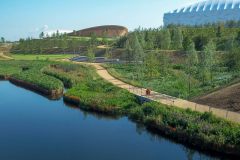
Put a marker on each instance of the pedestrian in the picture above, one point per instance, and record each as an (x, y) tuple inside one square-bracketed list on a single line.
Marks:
[(148, 92)]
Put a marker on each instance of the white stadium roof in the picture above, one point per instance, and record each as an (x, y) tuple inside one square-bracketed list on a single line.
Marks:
[(210, 5)]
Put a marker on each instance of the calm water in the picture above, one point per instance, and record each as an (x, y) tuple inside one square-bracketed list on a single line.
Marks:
[(35, 128)]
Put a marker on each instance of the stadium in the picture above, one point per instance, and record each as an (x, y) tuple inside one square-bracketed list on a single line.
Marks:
[(205, 12), (109, 31)]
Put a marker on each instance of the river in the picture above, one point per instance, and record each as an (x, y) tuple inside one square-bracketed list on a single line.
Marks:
[(33, 127)]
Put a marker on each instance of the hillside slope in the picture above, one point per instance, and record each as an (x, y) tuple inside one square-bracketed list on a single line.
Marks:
[(226, 98), (100, 31)]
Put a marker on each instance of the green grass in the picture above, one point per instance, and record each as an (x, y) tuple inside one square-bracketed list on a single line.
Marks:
[(203, 127), (30, 71), (41, 57), (94, 92), (40, 79), (173, 82)]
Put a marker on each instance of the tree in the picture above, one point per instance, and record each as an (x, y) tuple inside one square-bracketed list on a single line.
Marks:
[(186, 42), (157, 40), (238, 38), (166, 42), (121, 42), (70, 45), (209, 58), (54, 35), (57, 34), (2, 40), (104, 38), (233, 59), (137, 49), (128, 50), (138, 55), (91, 54), (151, 64), (75, 45), (220, 28), (108, 53), (177, 38), (41, 35), (63, 44), (163, 39), (141, 39), (192, 61), (200, 41), (229, 45), (149, 40), (93, 40), (163, 62)]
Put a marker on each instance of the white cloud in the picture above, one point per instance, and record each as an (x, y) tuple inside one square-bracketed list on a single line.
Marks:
[(47, 31)]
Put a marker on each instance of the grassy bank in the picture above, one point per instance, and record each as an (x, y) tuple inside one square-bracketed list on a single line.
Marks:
[(88, 91), (203, 131), (29, 72)]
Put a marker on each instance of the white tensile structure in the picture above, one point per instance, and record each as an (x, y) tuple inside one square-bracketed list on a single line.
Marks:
[(210, 11)]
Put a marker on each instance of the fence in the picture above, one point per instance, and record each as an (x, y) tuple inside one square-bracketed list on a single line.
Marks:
[(172, 101)]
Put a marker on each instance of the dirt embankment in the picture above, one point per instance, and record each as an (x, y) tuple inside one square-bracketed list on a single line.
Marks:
[(227, 98)]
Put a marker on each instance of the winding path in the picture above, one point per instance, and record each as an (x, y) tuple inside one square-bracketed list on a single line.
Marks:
[(162, 98), (4, 56)]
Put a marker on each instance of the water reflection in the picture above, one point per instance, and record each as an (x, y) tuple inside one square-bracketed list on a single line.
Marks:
[(99, 116), (33, 127), (153, 135)]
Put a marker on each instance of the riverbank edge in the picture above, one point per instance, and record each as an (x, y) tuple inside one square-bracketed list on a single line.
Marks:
[(92, 108), (51, 94), (177, 135)]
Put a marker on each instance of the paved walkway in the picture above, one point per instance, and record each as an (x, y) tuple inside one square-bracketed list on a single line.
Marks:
[(164, 99)]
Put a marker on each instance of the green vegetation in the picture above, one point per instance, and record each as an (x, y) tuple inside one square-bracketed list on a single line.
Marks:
[(8, 68), (57, 43), (30, 71), (90, 92), (173, 80), (69, 74), (41, 57), (180, 61), (41, 80), (174, 37), (206, 58), (203, 130), (93, 93)]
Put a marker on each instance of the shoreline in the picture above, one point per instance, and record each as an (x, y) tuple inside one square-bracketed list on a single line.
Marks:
[(96, 95), (50, 94), (179, 136)]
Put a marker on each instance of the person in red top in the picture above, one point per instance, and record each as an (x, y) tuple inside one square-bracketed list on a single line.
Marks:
[(148, 92)]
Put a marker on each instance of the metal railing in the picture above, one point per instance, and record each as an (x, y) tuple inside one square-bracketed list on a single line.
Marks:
[(177, 102)]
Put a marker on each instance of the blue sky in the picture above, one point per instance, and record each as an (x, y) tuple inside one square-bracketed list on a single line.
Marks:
[(23, 18)]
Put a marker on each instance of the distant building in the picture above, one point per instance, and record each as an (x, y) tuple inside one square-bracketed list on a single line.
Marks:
[(100, 31), (210, 11)]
